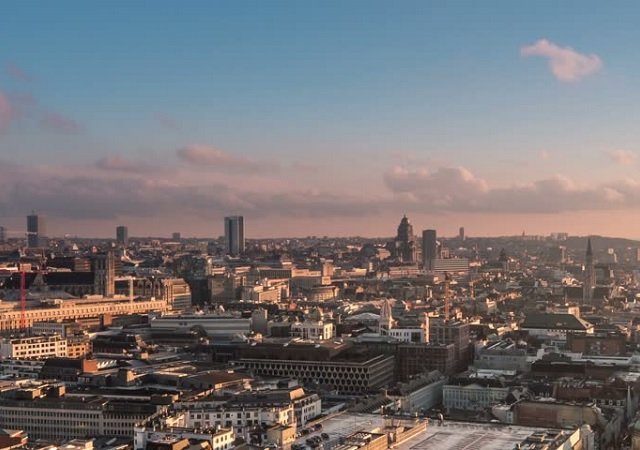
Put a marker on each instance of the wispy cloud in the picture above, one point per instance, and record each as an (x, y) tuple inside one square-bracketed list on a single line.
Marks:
[(544, 155), (16, 73), (120, 164), (6, 112), (624, 157), (206, 155), (58, 122), (565, 63), (167, 122)]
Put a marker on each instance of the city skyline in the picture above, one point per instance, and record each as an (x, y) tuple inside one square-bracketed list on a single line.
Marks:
[(332, 119)]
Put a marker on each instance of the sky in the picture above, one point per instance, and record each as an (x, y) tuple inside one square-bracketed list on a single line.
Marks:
[(320, 118)]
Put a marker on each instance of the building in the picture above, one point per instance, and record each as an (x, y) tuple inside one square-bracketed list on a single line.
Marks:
[(75, 309), (461, 234), (122, 235), (404, 245), (214, 325), (332, 365), (450, 265), (470, 393), (589, 276), (446, 332), (104, 270), (429, 248), (36, 231), (315, 330), (44, 412), (174, 438), (176, 236), (502, 355), (420, 393), (234, 235), (551, 326), (3, 235), (34, 347)]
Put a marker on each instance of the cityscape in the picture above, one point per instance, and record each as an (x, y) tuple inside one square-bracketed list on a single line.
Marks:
[(266, 225)]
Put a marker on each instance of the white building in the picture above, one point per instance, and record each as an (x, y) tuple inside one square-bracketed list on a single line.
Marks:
[(218, 439), (34, 347), (314, 330), (215, 325)]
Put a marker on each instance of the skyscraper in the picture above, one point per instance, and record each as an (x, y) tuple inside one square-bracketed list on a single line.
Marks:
[(3, 235), (122, 235), (234, 235), (461, 234), (589, 276), (36, 231), (429, 248)]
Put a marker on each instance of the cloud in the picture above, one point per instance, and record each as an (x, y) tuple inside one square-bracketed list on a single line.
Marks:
[(545, 155), (16, 73), (58, 122), (7, 112), (121, 164), (84, 195), (458, 190), (167, 122), (205, 155), (565, 63), (624, 157)]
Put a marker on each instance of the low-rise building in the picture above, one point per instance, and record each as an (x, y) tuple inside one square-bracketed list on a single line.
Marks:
[(34, 347)]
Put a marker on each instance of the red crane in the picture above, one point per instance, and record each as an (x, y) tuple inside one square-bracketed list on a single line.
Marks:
[(23, 300)]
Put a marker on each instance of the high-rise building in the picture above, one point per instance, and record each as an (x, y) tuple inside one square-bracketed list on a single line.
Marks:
[(429, 248), (405, 242), (234, 235), (461, 235), (175, 236), (36, 231), (122, 235), (589, 276), (3, 235)]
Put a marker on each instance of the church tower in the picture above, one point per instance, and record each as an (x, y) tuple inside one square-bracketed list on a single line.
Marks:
[(589, 276), (386, 318)]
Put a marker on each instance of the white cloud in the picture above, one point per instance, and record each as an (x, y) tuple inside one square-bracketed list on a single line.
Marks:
[(565, 63), (624, 157)]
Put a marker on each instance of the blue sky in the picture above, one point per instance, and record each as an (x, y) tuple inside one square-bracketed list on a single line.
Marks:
[(352, 90)]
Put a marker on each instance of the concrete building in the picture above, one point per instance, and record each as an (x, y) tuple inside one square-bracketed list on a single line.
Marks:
[(332, 365), (315, 330), (502, 355), (421, 393), (36, 347), (122, 235), (36, 231), (173, 438), (60, 310), (429, 248), (234, 235), (214, 325), (44, 412)]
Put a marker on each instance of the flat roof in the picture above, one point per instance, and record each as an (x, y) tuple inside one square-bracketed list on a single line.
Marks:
[(468, 435)]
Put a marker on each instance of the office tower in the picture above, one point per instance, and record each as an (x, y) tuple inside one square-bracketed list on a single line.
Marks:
[(405, 243), (429, 248), (234, 235), (461, 234), (122, 235), (589, 276), (175, 236), (3, 235), (36, 231)]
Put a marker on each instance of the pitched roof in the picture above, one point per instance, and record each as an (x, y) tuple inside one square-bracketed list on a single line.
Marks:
[(560, 321)]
